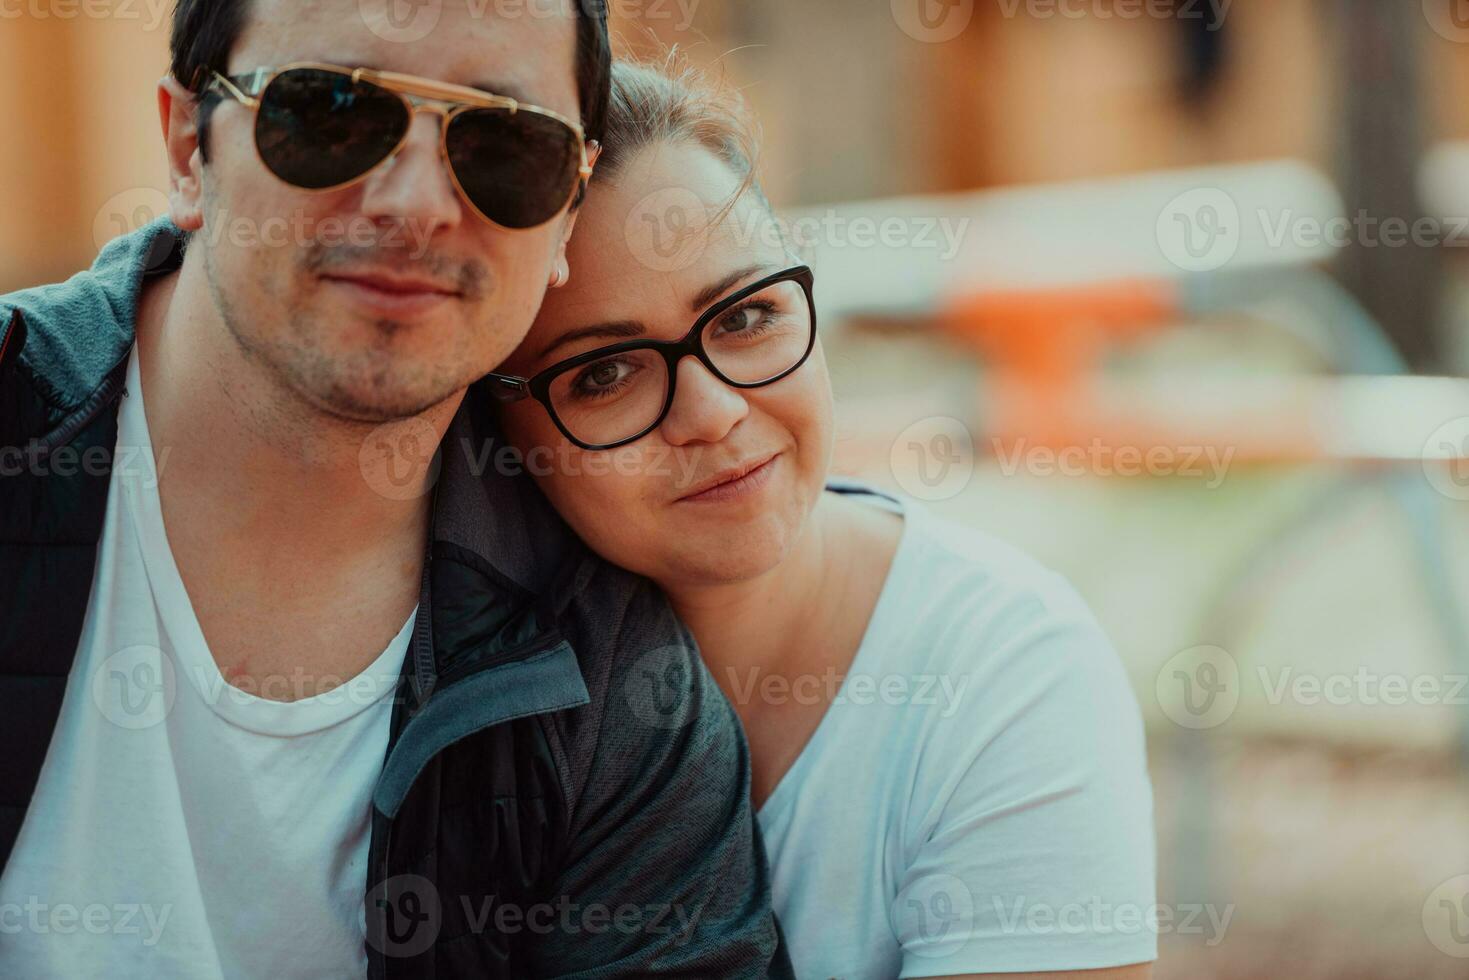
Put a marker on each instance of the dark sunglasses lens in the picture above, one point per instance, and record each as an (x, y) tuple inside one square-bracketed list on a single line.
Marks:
[(317, 129), (518, 169)]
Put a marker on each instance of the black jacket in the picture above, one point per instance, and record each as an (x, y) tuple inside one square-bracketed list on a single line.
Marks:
[(565, 790)]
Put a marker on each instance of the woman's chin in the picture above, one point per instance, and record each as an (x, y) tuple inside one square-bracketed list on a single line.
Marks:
[(729, 558)]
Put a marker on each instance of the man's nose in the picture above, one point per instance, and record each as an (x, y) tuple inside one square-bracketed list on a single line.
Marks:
[(415, 186)]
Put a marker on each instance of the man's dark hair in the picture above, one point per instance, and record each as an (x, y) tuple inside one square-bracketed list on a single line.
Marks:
[(205, 32)]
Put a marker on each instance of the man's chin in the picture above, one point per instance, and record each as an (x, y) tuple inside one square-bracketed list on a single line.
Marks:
[(383, 396), (376, 407)]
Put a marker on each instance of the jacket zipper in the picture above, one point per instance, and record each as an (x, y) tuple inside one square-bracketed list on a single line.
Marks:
[(377, 961), (107, 392), (539, 643)]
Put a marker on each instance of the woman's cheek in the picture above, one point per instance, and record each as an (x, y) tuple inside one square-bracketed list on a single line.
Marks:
[(605, 502), (805, 412)]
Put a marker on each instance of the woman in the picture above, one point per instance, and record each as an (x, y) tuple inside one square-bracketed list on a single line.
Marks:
[(947, 760)]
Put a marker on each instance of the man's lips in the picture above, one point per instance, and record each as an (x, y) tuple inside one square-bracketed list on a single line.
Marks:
[(387, 283), (391, 293)]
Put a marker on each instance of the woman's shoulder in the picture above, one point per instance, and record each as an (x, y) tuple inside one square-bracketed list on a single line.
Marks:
[(949, 574), (1033, 703), (1011, 640)]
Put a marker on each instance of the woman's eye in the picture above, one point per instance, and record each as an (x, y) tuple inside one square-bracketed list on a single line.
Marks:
[(746, 319), (737, 320), (601, 376)]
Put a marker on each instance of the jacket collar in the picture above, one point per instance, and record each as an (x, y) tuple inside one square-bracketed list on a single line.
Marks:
[(488, 506), (77, 333)]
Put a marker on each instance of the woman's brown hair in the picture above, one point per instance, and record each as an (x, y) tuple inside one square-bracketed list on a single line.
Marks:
[(667, 100)]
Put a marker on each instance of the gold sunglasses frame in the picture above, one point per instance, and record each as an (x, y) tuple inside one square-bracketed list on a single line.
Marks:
[(444, 98)]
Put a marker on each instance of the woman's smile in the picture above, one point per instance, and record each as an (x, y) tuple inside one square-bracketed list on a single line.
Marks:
[(741, 483)]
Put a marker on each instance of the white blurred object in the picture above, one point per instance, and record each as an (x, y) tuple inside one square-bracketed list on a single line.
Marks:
[(1443, 188), (1155, 225)]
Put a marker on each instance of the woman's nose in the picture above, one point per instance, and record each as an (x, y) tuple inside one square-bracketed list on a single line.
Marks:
[(704, 408)]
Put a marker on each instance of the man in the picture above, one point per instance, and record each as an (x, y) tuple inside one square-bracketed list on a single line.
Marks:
[(275, 676)]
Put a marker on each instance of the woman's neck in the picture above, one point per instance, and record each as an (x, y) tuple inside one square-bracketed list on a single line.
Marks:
[(804, 616)]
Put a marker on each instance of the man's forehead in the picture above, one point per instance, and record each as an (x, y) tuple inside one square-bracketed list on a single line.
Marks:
[(527, 51)]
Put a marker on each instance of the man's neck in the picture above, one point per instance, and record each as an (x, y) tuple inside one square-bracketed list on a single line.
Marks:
[(299, 560), (251, 456)]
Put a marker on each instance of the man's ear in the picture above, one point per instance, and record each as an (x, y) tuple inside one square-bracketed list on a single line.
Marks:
[(594, 151), (178, 111)]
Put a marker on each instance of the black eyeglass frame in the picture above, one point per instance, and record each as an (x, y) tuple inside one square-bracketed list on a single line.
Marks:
[(507, 388)]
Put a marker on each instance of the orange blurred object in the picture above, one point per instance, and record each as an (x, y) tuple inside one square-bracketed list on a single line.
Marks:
[(1046, 344), (1055, 335)]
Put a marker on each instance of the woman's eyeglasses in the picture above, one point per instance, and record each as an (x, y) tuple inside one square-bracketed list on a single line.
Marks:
[(322, 127), (615, 395)]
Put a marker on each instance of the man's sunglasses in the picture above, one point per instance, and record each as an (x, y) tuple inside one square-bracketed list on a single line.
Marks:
[(322, 127), (614, 395)]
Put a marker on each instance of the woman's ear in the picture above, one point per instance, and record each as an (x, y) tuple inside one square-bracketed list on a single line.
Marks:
[(178, 114)]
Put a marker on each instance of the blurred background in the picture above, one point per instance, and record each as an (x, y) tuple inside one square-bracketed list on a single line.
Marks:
[(1173, 294)]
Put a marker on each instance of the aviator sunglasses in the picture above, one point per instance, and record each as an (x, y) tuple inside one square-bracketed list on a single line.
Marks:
[(322, 127)]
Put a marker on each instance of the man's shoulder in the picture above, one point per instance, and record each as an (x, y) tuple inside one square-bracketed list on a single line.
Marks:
[(68, 336), (619, 620), (658, 782), (649, 688)]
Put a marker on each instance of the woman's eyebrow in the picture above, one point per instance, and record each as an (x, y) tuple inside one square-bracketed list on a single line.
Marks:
[(625, 329), (615, 328), (708, 295)]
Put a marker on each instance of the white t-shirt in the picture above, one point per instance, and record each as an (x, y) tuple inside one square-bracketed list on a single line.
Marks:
[(976, 799), (183, 827)]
